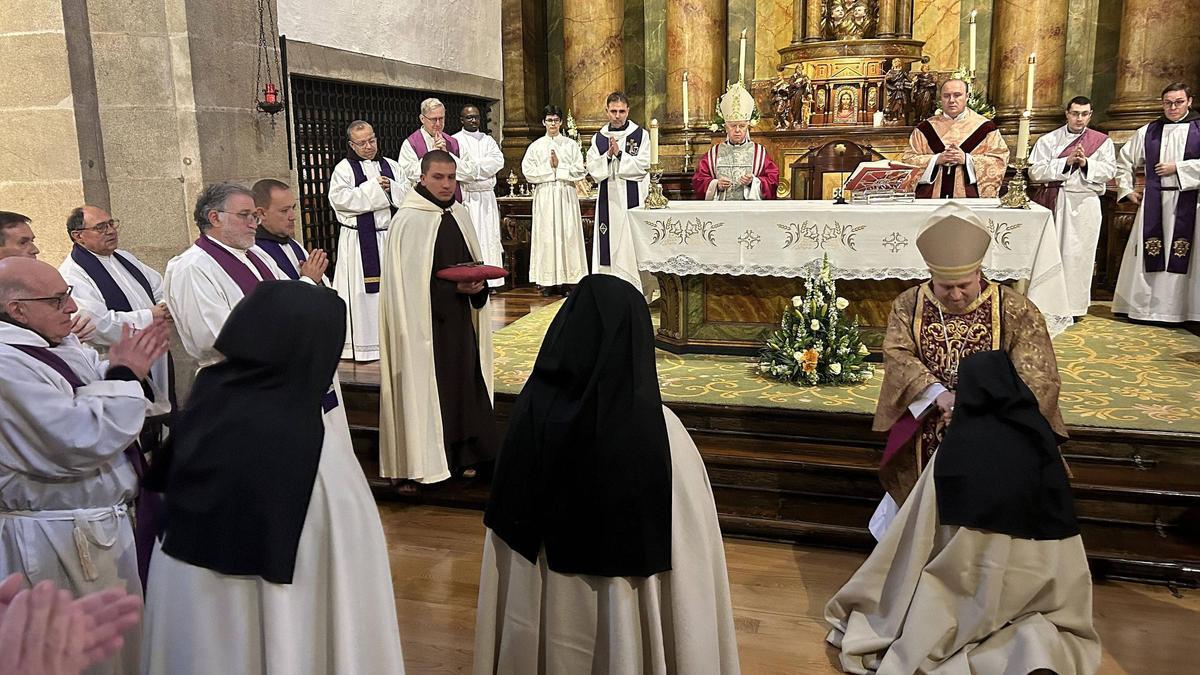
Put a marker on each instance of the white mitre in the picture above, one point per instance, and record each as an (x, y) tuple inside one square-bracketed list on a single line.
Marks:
[(953, 241), (737, 105)]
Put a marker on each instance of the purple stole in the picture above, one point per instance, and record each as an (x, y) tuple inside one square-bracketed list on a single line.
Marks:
[(1154, 254), (1046, 194), (275, 250), (633, 143), (417, 140), (114, 297), (368, 244), (234, 267), (149, 511), (949, 173)]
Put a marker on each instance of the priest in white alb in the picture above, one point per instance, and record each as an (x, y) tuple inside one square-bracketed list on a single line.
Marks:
[(431, 136), (1157, 281), (553, 164), (478, 188), (1070, 168), (275, 207), (962, 151), (738, 168), (363, 191)]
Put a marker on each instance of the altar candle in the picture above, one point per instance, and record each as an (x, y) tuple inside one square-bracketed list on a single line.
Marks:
[(1023, 136), (653, 142), (742, 59), (971, 58), (1029, 77), (686, 114)]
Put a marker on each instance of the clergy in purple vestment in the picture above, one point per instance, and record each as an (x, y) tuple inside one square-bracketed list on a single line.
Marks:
[(432, 136), (275, 206)]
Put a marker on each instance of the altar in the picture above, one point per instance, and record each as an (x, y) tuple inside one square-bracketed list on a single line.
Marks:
[(727, 270)]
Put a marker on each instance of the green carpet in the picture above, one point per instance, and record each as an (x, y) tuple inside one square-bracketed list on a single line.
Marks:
[(1115, 375)]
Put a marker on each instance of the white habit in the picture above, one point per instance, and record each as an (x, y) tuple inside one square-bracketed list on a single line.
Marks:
[(332, 618), (631, 165), (479, 193), (410, 163), (556, 253), (348, 201), (64, 480), (532, 620), (200, 296), (108, 322), (411, 441), (1077, 210), (1158, 296)]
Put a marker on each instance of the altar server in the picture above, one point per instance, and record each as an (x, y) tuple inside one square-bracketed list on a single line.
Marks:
[(619, 161), (205, 282), (430, 136), (932, 327), (737, 168), (1073, 165), (274, 559), (1157, 281), (961, 150), (275, 208), (114, 289), (364, 191), (478, 188), (984, 570), (68, 462), (553, 164), (602, 553), (435, 405)]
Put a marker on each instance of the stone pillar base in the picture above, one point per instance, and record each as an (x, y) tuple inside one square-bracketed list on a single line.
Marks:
[(1041, 120), (1128, 115)]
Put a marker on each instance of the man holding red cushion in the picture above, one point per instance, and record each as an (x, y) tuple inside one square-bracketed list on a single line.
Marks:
[(435, 341)]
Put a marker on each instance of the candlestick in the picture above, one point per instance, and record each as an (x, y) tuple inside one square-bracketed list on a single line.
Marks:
[(654, 141), (1016, 197), (971, 57), (742, 59), (686, 114), (1023, 136), (1029, 78)]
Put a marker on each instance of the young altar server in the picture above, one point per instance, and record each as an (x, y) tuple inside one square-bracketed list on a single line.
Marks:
[(431, 136), (1074, 164), (364, 191), (619, 161), (737, 168), (478, 187), (553, 164), (435, 405), (1157, 281), (984, 570), (274, 559), (275, 208), (68, 449), (602, 552), (961, 150)]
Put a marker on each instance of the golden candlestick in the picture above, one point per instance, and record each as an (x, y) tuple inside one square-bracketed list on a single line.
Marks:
[(1016, 198), (656, 199)]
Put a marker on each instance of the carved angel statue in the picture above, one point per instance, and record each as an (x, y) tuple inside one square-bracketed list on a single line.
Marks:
[(850, 19), (781, 101)]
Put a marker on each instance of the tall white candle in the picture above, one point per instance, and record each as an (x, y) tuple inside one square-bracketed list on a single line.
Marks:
[(653, 142), (742, 59), (1023, 136), (1029, 78), (686, 112), (971, 57)]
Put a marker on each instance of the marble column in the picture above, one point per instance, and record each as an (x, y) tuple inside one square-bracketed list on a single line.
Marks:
[(797, 21), (695, 43), (1020, 27), (593, 57), (812, 20), (904, 18), (887, 19), (1157, 47)]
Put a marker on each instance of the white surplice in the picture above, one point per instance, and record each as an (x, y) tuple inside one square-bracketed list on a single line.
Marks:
[(64, 480), (87, 296), (348, 201), (617, 171), (1158, 296), (1077, 210), (533, 620), (337, 616), (556, 252), (479, 193), (410, 164), (201, 295)]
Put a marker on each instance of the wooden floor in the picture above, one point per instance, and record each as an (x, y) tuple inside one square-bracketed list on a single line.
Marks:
[(779, 592)]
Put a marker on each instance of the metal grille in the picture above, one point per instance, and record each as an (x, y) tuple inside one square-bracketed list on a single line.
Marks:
[(323, 109)]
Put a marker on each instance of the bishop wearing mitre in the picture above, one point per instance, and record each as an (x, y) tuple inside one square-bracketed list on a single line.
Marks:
[(962, 151), (737, 168)]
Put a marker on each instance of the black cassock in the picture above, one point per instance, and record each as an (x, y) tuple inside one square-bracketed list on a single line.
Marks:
[(468, 422)]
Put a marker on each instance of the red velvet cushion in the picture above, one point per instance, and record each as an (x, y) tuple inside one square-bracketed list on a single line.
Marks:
[(471, 273)]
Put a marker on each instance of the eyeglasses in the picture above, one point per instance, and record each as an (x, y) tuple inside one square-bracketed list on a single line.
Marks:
[(365, 143), (1179, 103), (553, 120), (100, 228), (240, 215), (55, 300), (435, 120), (1079, 113)]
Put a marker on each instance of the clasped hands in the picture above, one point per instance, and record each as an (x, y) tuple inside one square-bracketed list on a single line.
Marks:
[(724, 183), (952, 156), (945, 405)]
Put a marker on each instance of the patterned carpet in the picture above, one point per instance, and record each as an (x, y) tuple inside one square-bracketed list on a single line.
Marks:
[(1115, 375)]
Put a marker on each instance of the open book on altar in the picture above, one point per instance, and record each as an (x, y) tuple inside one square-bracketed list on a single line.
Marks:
[(884, 176)]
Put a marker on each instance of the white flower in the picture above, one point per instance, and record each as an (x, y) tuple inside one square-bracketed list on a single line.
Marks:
[(835, 368), (799, 356), (815, 325), (797, 301), (862, 349), (842, 303), (763, 367)]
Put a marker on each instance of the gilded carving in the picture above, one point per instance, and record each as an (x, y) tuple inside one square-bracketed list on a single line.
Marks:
[(850, 19)]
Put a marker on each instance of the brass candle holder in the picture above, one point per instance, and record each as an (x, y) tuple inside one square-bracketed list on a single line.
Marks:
[(1016, 198), (656, 199)]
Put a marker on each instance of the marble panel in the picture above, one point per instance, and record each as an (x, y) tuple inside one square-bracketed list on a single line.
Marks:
[(655, 64), (773, 27), (1158, 45), (555, 67), (1104, 65), (593, 58), (742, 15), (937, 23), (693, 27), (635, 45), (1081, 45)]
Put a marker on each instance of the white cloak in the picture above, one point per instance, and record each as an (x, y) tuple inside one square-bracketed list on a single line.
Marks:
[(362, 308), (1077, 210), (617, 172), (479, 194), (337, 616), (411, 443), (556, 253), (63, 470), (201, 295), (410, 164), (108, 322), (532, 620), (1158, 296)]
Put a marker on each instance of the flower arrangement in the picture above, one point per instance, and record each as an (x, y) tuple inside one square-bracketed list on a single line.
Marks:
[(572, 130), (816, 342)]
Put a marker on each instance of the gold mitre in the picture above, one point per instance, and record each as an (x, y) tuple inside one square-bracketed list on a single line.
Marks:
[(737, 105), (953, 241)]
